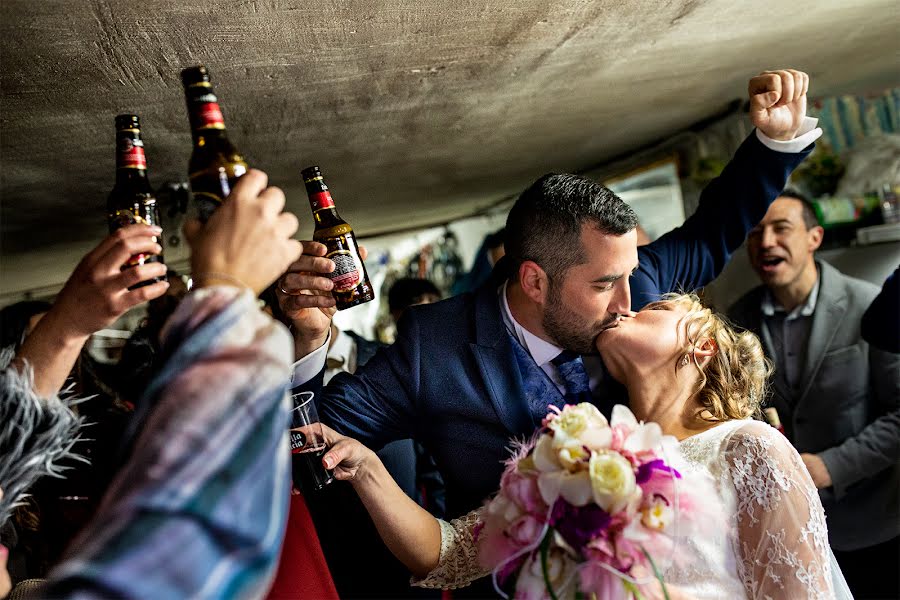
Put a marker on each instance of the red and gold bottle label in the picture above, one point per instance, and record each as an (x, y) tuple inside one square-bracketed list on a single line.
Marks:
[(347, 272), (209, 116), (131, 154), (320, 200)]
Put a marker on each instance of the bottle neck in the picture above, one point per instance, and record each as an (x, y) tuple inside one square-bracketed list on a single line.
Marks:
[(131, 162), (205, 114), (320, 199)]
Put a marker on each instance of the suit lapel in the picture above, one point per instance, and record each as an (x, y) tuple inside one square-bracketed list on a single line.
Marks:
[(497, 363), (830, 308)]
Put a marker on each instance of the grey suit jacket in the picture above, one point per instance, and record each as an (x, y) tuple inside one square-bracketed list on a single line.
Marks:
[(847, 410)]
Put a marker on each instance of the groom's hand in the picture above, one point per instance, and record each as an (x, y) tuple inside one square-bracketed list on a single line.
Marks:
[(778, 102), (817, 470)]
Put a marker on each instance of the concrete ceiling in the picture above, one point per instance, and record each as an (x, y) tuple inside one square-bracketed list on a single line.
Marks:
[(417, 111)]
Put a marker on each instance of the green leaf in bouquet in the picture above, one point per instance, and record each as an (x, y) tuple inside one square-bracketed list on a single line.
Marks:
[(545, 569), (657, 573)]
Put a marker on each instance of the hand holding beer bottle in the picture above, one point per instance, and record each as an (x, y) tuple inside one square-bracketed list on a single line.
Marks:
[(330, 276), (304, 296), (247, 241)]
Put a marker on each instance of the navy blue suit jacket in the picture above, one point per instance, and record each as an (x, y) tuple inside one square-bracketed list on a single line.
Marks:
[(451, 380)]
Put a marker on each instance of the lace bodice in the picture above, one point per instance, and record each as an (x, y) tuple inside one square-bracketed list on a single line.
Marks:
[(775, 543), (771, 542)]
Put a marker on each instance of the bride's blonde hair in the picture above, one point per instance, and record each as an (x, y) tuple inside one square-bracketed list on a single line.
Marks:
[(734, 380)]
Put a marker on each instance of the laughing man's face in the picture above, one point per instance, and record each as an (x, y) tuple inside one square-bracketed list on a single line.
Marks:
[(781, 246)]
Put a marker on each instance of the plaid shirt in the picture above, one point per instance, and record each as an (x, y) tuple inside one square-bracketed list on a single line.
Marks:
[(199, 509)]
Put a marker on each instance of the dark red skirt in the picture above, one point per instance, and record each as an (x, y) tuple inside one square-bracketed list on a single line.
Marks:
[(302, 571)]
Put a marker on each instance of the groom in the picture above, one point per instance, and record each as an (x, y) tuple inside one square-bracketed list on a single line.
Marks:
[(469, 373)]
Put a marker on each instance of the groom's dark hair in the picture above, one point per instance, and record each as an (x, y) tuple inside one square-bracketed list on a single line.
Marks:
[(544, 225)]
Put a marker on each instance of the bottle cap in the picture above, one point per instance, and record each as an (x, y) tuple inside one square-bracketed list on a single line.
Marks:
[(311, 174), (193, 75), (128, 122)]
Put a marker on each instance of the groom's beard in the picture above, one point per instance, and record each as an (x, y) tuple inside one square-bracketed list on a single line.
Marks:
[(570, 331)]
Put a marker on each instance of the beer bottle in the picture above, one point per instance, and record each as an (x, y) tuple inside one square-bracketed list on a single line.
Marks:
[(132, 200), (215, 163), (351, 282)]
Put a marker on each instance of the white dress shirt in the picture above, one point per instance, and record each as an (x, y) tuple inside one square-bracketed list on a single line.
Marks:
[(341, 356)]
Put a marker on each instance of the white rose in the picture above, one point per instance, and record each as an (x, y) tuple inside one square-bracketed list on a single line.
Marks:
[(580, 426), (612, 481)]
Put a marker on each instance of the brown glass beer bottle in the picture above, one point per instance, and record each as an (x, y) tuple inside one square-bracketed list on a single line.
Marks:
[(351, 282), (132, 200), (215, 163)]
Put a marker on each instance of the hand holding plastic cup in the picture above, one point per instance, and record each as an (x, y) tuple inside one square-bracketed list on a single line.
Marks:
[(308, 442)]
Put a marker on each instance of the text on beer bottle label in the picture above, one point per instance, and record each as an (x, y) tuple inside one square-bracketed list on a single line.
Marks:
[(320, 200), (346, 274), (131, 154)]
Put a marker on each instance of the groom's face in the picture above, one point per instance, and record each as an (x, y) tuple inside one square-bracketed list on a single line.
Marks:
[(588, 297)]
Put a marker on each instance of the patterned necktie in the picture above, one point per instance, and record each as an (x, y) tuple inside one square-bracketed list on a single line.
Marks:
[(578, 384)]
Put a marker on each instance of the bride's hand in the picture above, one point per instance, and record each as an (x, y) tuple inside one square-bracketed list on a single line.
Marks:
[(348, 458)]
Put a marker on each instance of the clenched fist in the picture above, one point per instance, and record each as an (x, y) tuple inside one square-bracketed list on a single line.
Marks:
[(778, 102)]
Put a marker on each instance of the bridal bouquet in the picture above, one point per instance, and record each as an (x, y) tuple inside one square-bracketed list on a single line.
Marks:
[(587, 507)]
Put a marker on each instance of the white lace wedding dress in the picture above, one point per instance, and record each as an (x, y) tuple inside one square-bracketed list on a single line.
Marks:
[(773, 545)]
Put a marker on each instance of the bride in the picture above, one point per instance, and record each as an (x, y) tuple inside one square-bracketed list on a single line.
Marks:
[(689, 371)]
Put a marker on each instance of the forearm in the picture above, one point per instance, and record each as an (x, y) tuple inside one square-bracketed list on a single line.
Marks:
[(51, 351), (408, 530), (864, 455)]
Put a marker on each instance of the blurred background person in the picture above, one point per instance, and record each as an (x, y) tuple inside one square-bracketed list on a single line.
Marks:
[(837, 397)]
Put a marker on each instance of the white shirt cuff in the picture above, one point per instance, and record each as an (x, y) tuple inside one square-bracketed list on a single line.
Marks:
[(309, 366), (807, 134)]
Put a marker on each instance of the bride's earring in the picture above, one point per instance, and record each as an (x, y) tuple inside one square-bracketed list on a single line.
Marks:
[(685, 360)]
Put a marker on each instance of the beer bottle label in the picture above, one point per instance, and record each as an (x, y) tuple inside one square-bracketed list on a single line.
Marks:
[(320, 200), (347, 272), (209, 116), (131, 154), (206, 112), (211, 186)]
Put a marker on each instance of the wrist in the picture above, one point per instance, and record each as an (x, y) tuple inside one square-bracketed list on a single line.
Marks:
[(306, 343), (65, 333), (368, 473), (204, 279), (781, 136)]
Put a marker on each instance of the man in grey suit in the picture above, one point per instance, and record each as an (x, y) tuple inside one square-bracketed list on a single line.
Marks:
[(838, 398)]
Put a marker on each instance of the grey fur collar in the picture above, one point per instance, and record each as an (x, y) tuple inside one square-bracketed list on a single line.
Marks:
[(36, 433)]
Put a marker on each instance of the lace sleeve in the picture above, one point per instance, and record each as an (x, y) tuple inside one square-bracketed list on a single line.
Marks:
[(458, 565), (782, 543)]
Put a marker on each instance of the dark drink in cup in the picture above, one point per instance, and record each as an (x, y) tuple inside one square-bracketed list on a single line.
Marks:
[(309, 463), (308, 445)]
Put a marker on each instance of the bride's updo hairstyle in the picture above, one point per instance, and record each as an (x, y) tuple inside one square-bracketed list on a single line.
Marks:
[(734, 380)]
